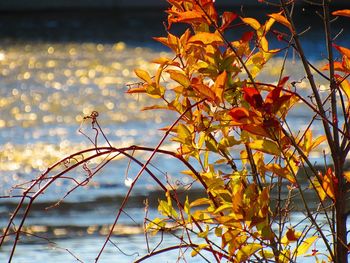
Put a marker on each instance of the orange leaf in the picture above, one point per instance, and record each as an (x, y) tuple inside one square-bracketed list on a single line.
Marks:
[(344, 12), (329, 184), (343, 50), (186, 17), (338, 66), (282, 20), (205, 38), (203, 89), (141, 89), (219, 86)]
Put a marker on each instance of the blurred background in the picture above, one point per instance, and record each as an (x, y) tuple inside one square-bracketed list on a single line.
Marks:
[(59, 61)]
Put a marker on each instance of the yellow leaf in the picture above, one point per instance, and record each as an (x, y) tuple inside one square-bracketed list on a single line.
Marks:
[(347, 176), (344, 12), (204, 233), (282, 20), (251, 22), (317, 186), (142, 74), (200, 202), (304, 246), (246, 251), (205, 38), (179, 77), (344, 84), (196, 250), (219, 86), (265, 146)]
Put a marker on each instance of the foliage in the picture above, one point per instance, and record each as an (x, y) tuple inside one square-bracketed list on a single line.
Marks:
[(225, 109), (234, 137)]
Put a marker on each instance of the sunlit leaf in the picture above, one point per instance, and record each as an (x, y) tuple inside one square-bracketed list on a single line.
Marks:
[(179, 77), (196, 250), (343, 50), (247, 251), (219, 86), (265, 146), (205, 38), (142, 74), (344, 12), (304, 246), (282, 20), (251, 22), (344, 85)]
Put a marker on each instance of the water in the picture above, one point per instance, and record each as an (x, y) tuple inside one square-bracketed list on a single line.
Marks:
[(55, 69)]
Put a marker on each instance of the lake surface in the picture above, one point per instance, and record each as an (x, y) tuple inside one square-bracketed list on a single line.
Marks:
[(56, 68)]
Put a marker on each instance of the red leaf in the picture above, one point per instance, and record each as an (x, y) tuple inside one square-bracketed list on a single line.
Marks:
[(283, 81), (227, 18), (247, 36), (253, 97), (239, 115)]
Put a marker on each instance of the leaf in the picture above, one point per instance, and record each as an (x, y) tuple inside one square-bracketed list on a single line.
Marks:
[(204, 233), (347, 176), (343, 50), (239, 116), (253, 97), (344, 12), (344, 85), (179, 77), (338, 66), (282, 20), (246, 251), (141, 89), (292, 235), (247, 36), (265, 146), (203, 90), (329, 184), (219, 86), (142, 74), (205, 38), (186, 17), (200, 202), (196, 250), (227, 18), (305, 245), (251, 22)]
